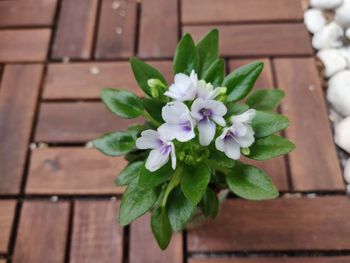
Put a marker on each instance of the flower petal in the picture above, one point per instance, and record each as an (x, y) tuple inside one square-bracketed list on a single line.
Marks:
[(173, 156), (245, 117), (196, 107), (219, 120), (246, 140), (206, 132), (217, 107), (183, 132), (232, 149), (156, 159), (175, 112), (149, 140)]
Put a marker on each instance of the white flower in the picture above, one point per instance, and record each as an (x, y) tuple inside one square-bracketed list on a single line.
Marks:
[(206, 112), (162, 148), (206, 91), (239, 135), (178, 122), (184, 87)]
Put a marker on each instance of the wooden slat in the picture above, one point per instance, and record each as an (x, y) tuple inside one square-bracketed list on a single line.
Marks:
[(259, 40), (42, 232), (77, 122), (321, 223), (117, 29), (74, 36), (334, 259), (225, 11), (27, 13), (18, 96), (73, 171), (158, 33), (24, 45), (7, 213), (314, 164), (144, 248), (97, 237), (75, 80)]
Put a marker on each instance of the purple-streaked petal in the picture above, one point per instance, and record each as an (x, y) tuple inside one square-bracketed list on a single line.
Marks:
[(206, 132), (182, 132), (217, 107), (245, 117), (149, 140), (196, 107), (156, 159)]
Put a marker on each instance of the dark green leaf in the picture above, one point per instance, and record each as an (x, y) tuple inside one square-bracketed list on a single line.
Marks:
[(123, 103), (194, 181), (143, 72), (267, 123), (210, 204), (216, 73), (154, 108), (129, 173), (234, 108), (265, 99), (251, 183), (135, 129), (218, 159), (208, 51), (161, 227), (152, 179), (270, 147), (241, 81), (186, 56), (115, 144)]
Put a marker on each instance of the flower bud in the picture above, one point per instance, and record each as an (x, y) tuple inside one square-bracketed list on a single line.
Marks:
[(245, 151), (157, 87)]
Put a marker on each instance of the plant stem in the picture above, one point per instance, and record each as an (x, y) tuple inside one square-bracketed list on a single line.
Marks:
[(174, 181)]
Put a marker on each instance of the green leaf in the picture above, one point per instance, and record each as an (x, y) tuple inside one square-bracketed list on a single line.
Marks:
[(135, 202), (161, 227), (180, 209), (251, 183), (216, 73), (129, 173), (265, 99), (115, 143), (234, 108), (123, 103), (194, 181), (210, 204), (135, 129), (270, 147), (154, 108), (218, 160), (267, 123), (186, 56), (208, 51), (143, 72), (241, 81), (153, 179)]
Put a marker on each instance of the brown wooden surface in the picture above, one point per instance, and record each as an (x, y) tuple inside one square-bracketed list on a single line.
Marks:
[(158, 29), (314, 164), (116, 32), (73, 171), (28, 12), (258, 39), (143, 247), (42, 232), (224, 11), (335, 259), (96, 235), (24, 45), (282, 224), (75, 31), (7, 214), (18, 98), (61, 81)]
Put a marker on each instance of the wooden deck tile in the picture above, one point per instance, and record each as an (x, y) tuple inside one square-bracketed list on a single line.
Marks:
[(62, 82), (334, 259), (75, 31), (77, 122), (74, 170), (18, 97), (226, 11), (281, 224), (27, 13), (42, 232), (97, 237), (7, 214), (117, 30), (158, 32), (143, 247), (24, 45), (314, 164), (259, 40)]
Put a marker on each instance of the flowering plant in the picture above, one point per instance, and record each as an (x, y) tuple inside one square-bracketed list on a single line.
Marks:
[(195, 133)]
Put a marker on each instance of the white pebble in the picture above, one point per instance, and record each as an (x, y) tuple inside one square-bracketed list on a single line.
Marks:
[(342, 134), (54, 198), (329, 37), (338, 92), (94, 70), (326, 4), (333, 61), (32, 146), (314, 20), (118, 30), (342, 14), (347, 171)]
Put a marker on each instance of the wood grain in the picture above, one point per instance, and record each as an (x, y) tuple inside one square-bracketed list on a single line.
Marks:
[(24, 45), (334, 259), (158, 33), (77, 122), (73, 171), (314, 164), (62, 82), (7, 214), (117, 30), (143, 247), (75, 30), (27, 13), (42, 232), (281, 224), (258, 39), (97, 237), (19, 90), (227, 11)]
